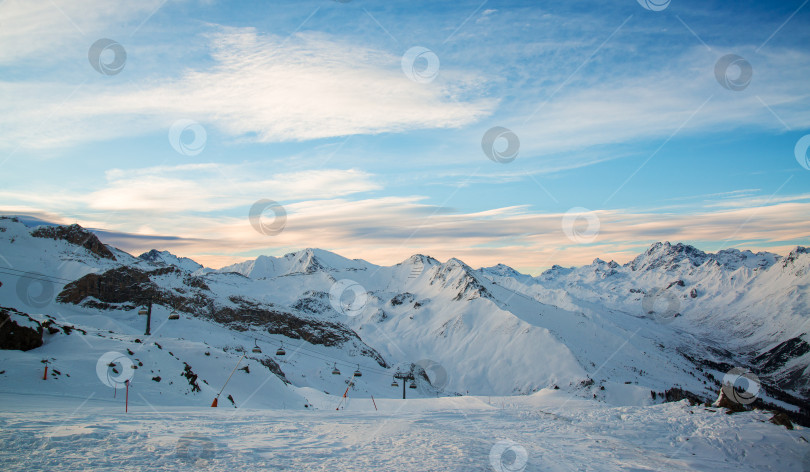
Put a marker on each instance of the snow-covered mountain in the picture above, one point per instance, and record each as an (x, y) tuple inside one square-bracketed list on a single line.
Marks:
[(672, 317), (166, 258)]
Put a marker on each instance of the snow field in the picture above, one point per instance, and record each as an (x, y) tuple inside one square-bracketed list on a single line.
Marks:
[(549, 431)]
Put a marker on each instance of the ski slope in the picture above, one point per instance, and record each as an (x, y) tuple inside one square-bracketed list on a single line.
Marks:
[(547, 431)]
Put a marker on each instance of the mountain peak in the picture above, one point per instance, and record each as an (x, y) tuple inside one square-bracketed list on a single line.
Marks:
[(668, 256), (167, 258), (502, 270), (417, 259)]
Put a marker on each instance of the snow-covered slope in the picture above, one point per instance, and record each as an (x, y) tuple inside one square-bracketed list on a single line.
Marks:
[(754, 306), (673, 317)]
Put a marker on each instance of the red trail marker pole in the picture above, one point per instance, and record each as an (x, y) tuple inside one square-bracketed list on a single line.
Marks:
[(45, 376), (126, 404)]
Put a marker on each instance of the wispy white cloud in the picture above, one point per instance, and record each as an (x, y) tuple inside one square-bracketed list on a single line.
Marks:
[(211, 187), (680, 98), (36, 33), (261, 87)]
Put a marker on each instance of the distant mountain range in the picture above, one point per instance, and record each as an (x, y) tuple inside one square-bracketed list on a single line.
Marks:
[(673, 317)]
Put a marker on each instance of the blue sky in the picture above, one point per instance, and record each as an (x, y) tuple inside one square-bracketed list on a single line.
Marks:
[(622, 123)]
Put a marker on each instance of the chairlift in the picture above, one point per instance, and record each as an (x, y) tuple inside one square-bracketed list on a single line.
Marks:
[(357, 372), (335, 370), (256, 347), (394, 383), (412, 385), (143, 311), (281, 351), (173, 315)]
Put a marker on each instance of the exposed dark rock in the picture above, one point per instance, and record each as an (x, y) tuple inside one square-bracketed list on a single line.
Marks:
[(191, 377), (49, 325), (781, 419), (313, 302), (14, 336), (274, 368), (75, 234), (794, 254), (402, 298), (676, 394), (679, 283)]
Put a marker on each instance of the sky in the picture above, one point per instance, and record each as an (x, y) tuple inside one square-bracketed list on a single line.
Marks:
[(527, 133)]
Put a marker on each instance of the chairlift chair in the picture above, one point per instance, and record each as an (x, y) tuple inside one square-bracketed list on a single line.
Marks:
[(335, 370), (394, 383), (174, 316), (357, 372), (281, 351), (412, 385), (143, 311), (256, 347)]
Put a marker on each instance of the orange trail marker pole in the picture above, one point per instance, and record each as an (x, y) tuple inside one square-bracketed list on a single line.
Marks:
[(214, 403), (344, 397), (45, 376), (126, 404)]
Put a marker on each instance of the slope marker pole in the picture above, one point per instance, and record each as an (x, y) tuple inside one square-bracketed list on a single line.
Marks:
[(215, 402)]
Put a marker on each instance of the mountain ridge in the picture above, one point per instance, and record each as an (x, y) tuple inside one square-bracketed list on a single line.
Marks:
[(672, 317)]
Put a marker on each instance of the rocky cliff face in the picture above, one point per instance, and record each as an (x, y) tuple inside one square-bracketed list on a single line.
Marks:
[(16, 336), (75, 234)]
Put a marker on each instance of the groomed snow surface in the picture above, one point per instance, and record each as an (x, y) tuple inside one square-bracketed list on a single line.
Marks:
[(547, 431)]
